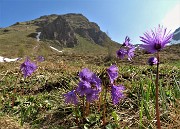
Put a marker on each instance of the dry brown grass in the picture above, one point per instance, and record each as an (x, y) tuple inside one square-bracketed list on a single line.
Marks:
[(7, 122)]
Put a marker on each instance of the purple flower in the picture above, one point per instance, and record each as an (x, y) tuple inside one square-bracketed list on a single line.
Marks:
[(112, 72), (127, 42), (156, 40), (83, 88), (92, 95), (40, 58), (85, 74), (152, 61), (71, 97), (121, 53), (95, 83), (116, 93), (28, 67), (130, 53)]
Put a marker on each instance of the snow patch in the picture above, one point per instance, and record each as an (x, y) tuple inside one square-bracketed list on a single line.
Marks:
[(55, 49), (3, 59), (38, 35)]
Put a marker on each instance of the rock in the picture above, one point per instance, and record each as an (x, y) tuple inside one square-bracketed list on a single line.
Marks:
[(59, 30), (176, 35), (64, 28)]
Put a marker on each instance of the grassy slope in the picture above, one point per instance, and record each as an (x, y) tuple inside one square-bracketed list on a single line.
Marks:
[(16, 43)]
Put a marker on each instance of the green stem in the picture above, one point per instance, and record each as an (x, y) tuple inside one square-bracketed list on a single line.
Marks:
[(157, 91)]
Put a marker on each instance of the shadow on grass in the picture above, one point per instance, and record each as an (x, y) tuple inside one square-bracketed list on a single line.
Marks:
[(59, 119)]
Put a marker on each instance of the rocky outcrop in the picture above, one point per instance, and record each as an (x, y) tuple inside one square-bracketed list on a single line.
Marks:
[(92, 33), (61, 31), (64, 28)]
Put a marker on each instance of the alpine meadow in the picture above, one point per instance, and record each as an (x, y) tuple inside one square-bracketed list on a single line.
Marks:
[(64, 72)]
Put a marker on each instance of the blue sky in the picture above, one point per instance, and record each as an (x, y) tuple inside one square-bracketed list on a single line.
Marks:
[(117, 17)]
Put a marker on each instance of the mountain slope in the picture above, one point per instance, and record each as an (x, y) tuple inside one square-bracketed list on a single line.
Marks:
[(73, 34), (64, 29), (68, 32)]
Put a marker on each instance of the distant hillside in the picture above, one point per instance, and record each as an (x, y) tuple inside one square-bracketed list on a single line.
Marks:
[(74, 35), (71, 32)]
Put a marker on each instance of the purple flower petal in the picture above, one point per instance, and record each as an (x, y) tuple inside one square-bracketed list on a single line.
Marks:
[(113, 73), (116, 93), (121, 53), (130, 53), (95, 82), (83, 88), (92, 95), (152, 61), (85, 74), (71, 97), (127, 42)]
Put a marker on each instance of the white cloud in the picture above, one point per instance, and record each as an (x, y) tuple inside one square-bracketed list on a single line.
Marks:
[(172, 18)]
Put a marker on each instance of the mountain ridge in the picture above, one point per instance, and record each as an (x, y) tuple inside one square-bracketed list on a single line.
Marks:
[(64, 28), (72, 33), (79, 37)]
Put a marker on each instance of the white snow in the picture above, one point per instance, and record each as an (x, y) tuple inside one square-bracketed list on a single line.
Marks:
[(55, 49), (38, 35), (3, 59)]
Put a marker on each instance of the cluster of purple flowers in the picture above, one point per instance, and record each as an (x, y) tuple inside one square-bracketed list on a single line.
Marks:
[(88, 87), (127, 50), (116, 90)]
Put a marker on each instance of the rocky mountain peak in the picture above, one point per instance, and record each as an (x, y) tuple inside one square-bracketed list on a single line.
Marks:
[(65, 28)]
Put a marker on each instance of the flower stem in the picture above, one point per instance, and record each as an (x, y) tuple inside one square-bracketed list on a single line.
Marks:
[(83, 108), (87, 108), (99, 104), (157, 105), (104, 107)]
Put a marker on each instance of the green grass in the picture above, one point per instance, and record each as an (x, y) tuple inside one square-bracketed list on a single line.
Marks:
[(42, 104)]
